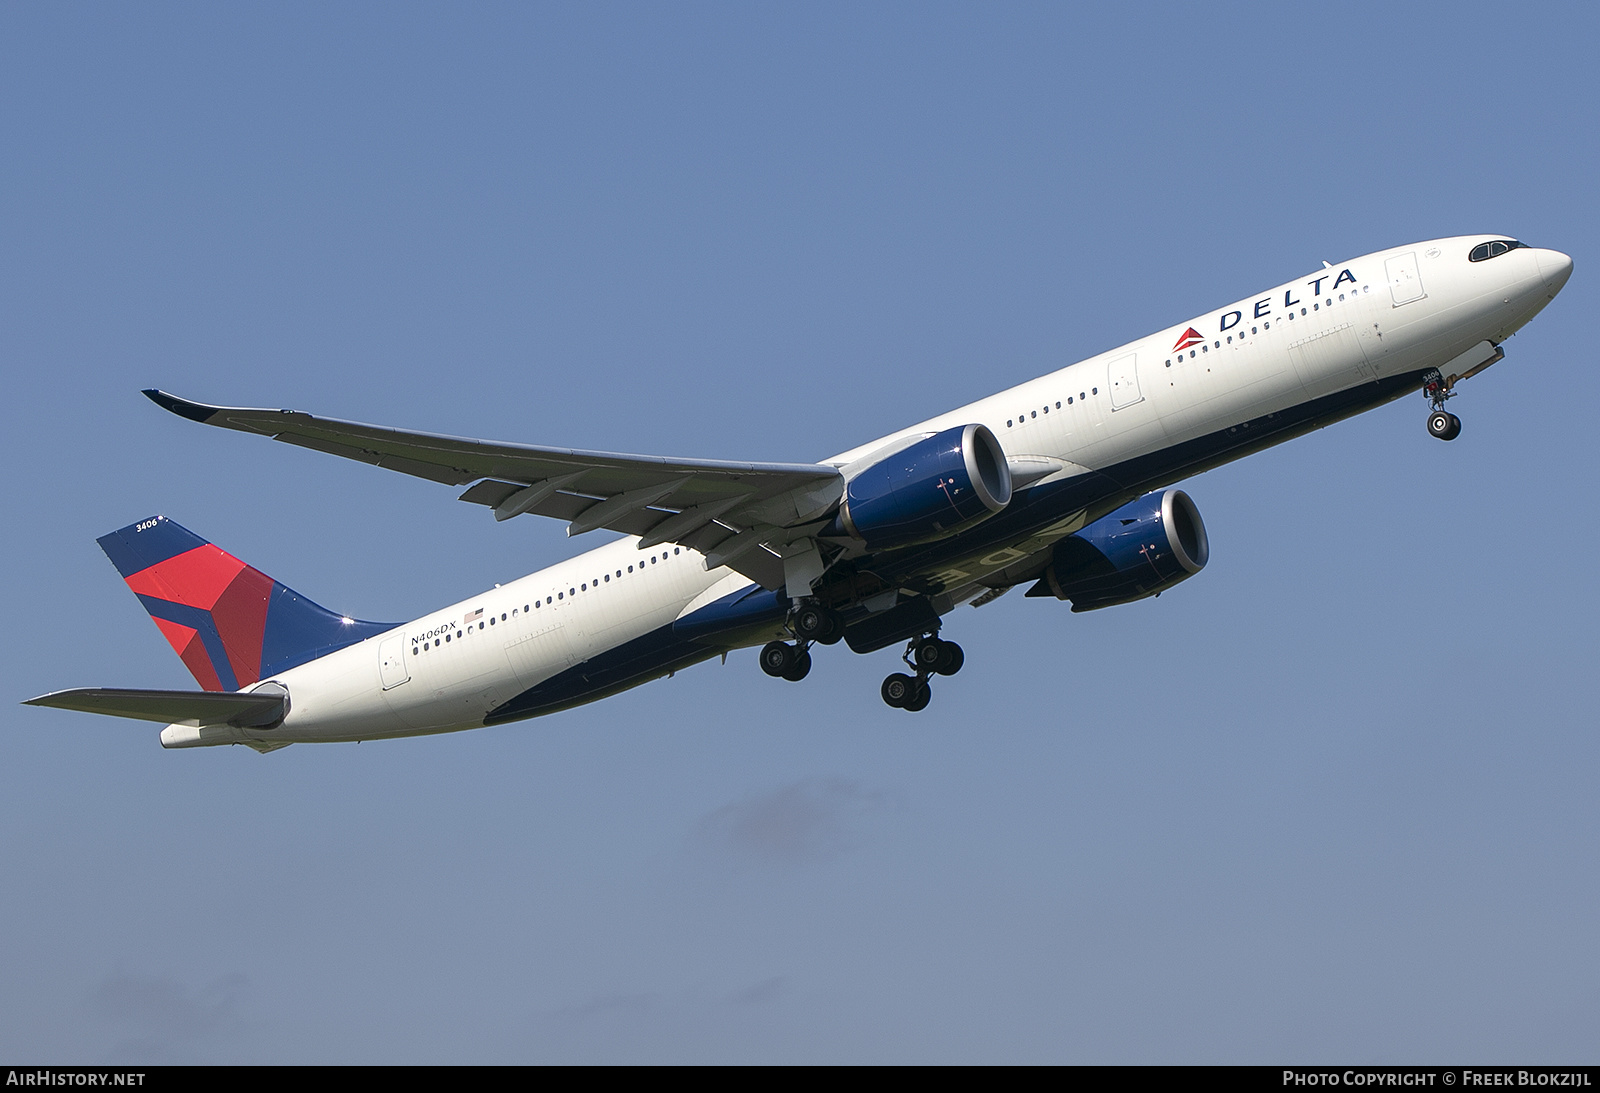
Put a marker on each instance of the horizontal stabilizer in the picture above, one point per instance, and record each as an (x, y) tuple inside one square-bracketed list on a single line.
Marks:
[(196, 709)]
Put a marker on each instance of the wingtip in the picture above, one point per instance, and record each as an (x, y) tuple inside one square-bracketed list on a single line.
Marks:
[(194, 411)]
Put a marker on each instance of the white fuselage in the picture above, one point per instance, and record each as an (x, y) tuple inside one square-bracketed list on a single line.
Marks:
[(1389, 314)]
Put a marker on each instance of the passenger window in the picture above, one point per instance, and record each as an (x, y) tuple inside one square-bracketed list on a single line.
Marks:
[(1058, 406)]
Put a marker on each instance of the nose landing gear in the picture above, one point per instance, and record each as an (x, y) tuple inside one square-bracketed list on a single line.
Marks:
[(927, 656), (1441, 423)]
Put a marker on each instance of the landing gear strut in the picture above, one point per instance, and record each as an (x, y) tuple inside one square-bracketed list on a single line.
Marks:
[(926, 656), (1441, 423)]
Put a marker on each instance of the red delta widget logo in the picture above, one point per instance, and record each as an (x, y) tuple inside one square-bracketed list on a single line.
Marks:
[(1187, 338)]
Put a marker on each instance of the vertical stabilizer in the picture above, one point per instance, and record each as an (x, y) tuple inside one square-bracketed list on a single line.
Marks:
[(231, 624)]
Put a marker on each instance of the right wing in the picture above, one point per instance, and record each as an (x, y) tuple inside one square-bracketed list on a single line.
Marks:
[(747, 516)]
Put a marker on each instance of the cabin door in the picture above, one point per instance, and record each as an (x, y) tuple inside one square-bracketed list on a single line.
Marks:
[(1405, 281), (392, 665)]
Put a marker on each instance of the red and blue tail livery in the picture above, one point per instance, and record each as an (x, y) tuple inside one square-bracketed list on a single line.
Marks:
[(231, 624)]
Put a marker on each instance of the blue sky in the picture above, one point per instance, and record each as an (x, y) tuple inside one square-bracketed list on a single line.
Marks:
[(1332, 800)]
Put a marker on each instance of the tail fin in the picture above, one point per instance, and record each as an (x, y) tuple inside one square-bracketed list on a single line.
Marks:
[(231, 624)]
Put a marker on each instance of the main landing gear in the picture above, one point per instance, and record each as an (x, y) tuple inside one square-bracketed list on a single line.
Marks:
[(927, 656), (810, 622), (1441, 423)]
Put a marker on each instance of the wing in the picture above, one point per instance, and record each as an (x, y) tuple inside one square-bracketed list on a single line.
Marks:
[(747, 516)]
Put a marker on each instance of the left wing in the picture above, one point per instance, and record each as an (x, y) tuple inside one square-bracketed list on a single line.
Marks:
[(748, 516)]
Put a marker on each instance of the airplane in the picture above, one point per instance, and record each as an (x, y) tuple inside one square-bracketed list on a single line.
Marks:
[(1065, 484)]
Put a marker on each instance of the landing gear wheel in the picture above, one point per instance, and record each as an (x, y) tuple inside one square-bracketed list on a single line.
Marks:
[(930, 655), (777, 658), (800, 667), (927, 654), (1444, 425), (920, 701), (954, 658), (898, 690), (813, 622)]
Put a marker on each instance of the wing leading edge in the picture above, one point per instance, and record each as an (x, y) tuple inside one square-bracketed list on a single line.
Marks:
[(747, 516)]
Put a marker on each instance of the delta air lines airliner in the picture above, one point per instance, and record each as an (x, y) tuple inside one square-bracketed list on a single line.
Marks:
[(1064, 484)]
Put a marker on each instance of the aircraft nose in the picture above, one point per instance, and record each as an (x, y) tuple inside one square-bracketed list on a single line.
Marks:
[(1554, 267)]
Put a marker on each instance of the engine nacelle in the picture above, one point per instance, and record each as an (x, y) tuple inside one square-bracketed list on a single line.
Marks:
[(1142, 549), (927, 490)]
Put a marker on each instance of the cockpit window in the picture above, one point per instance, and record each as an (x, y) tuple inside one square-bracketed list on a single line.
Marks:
[(1493, 249)]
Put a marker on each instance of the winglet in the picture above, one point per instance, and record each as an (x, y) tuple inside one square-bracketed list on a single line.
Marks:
[(194, 411)]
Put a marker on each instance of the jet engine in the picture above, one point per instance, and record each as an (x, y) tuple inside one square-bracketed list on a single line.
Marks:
[(926, 490), (1142, 549)]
